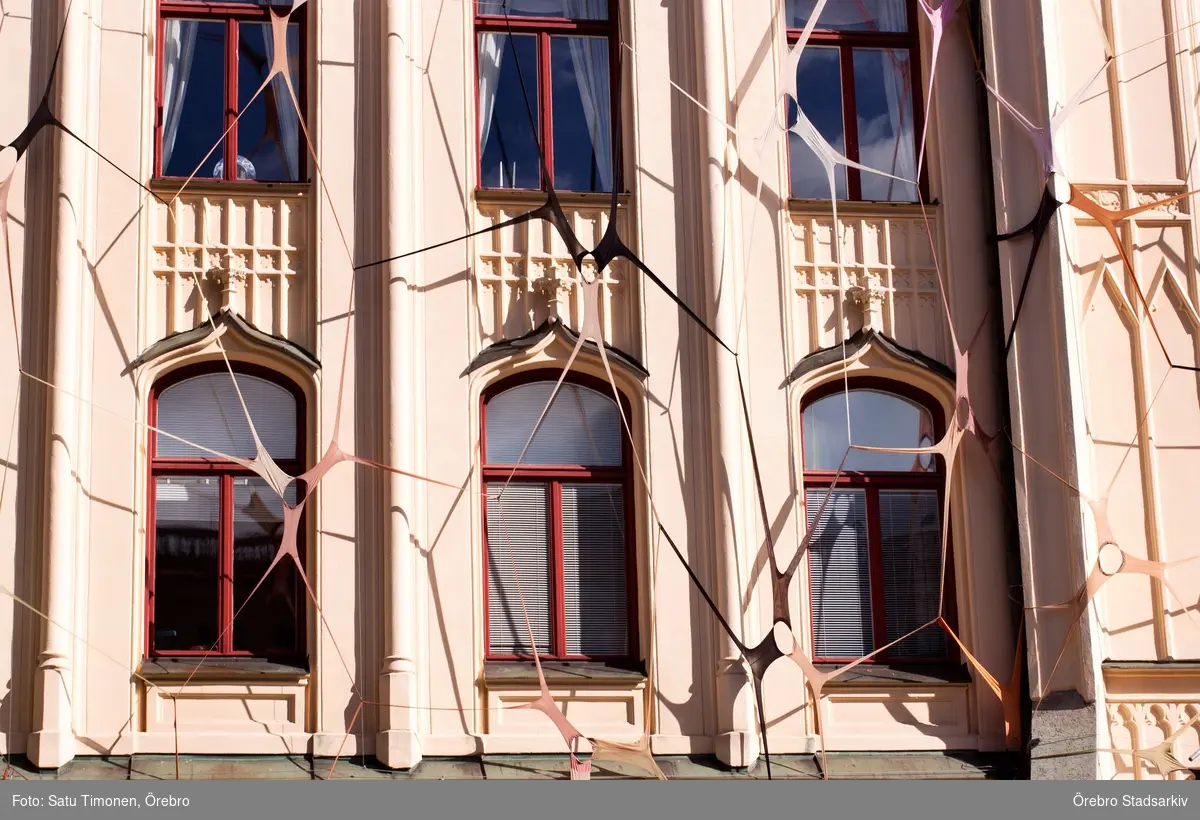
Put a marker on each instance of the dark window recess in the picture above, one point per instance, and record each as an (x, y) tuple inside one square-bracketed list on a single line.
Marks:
[(212, 59), (875, 560), (558, 538), (856, 81), (546, 75), (217, 526)]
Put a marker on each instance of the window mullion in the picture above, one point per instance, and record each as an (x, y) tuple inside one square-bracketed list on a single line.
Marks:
[(231, 98), (875, 554), (850, 123), (545, 107), (558, 594), (225, 564)]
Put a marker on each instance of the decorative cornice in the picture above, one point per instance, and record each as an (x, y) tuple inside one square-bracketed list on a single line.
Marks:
[(507, 348), (232, 320), (862, 339)]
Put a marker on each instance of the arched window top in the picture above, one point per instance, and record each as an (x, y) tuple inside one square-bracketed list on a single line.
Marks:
[(582, 426), (205, 409), (878, 418)]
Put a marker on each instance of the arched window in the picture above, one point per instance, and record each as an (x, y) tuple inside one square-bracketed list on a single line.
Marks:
[(215, 526), (564, 522), (875, 558)]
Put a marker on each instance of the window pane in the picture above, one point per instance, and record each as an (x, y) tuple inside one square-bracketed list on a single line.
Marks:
[(582, 426), (910, 525), (269, 130), (886, 136), (840, 573), (518, 533), (268, 621), (508, 109), (573, 9), (877, 419), (205, 410), (186, 561), (582, 114), (593, 521), (193, 93), (851, 15), (819, 88)]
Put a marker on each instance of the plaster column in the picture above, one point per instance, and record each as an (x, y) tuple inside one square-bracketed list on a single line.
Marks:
[(52, 743), (1045, 383), (399, 743), (737, 740)]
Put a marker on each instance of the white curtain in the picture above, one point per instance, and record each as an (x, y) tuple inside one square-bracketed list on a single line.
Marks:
[(897, 86), (589, 54), (289, 117), (179, 47), (590, 57), (491, 55)]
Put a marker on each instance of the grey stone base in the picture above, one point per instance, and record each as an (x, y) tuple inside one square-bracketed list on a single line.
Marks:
[(1063, 738)]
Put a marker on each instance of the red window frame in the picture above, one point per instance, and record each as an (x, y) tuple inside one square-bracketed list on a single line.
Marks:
[(871, 483), (231, 14), (845, 42), (544, 28), (227, 471), (555, 476)]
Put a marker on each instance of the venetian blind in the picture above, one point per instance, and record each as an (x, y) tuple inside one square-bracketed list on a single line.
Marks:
[(518, 533), (910, 527), (581, 427), (205, 410), (594, 586), (839, 569)]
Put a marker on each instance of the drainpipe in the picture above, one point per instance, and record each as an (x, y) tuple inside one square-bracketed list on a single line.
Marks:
[(737, 739), (52, 743), (399, 743)]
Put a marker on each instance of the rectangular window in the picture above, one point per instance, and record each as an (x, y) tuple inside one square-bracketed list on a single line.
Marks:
[(546, 78), (557, 541), (215, 526), (855, 82), (212, 58), (874, 568)]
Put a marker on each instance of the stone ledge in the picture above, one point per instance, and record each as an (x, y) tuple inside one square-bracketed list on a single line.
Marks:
[(918, 673), (220, 670), (581, 673)]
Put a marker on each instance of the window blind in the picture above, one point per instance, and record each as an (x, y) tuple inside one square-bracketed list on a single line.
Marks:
[(518, 532), (911, 532), (205, 410), (581, 427), (595, 591), (839, 568)]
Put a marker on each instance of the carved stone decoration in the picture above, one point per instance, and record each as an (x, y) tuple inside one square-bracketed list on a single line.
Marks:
[(868, 295), (247, 252), (524, 276), (887, 283), (230, 278), (1142, 725)]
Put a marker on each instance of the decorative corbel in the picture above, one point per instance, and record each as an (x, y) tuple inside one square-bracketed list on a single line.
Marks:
[(550, 288), (868, 296), (230, 276)]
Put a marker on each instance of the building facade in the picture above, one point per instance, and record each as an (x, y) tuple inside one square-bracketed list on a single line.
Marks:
[(149, 607)]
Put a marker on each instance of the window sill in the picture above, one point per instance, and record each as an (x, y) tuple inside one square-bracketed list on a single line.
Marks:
[(535, 198), (892, 673), (586, 673), (820, 207), (220, 670), (170, 187)]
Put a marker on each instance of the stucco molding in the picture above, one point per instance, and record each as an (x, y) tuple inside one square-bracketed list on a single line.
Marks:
[(550, 333), (228, 326), (871, 353)]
